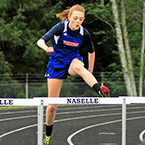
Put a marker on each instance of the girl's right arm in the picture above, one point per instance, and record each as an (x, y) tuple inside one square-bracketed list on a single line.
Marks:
[(41, 43), (55, 30)]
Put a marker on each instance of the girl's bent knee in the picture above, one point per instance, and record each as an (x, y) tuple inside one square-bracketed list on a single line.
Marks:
[(78, 68)]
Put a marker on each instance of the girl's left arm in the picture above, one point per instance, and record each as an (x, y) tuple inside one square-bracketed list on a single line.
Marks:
[(91, 61)]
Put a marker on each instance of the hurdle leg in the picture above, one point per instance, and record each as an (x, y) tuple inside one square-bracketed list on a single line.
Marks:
[(124, 122), (40, 110)]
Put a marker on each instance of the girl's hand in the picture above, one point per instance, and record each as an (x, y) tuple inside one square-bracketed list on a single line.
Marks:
[(41, 43), (49, 49)]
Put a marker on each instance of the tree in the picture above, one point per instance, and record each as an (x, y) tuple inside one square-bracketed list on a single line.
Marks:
[(127, 47), (142, 55), (121, 48), (134, 40), (22, 23)]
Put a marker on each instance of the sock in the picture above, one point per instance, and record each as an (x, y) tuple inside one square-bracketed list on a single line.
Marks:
[(96, 87), (49, 130)]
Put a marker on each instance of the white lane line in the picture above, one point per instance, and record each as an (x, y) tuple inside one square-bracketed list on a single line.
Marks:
[(141, 136), (61, 113), (73, 108), (71, 112), (65, 113), (59, 109), (102, 110), (15, 118), (86, 111), (16, 130), (100, 106), (17, 112), (69, 139), (85, 117), (87, 107), (106, 133)]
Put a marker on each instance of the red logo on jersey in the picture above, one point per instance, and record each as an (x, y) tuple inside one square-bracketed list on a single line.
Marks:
[(70, 43)]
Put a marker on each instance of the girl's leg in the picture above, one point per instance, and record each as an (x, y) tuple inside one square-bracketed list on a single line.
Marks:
[(77, 68), (54, 87)]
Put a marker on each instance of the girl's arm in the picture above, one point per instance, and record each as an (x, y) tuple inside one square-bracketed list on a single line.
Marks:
[(55, 30), (91, 61), (41, 43)]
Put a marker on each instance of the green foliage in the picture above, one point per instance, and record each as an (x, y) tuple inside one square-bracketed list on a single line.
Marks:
[(100, 25), (3, 3), (5, 67), (38, 90), (22, 23), (115, 82), (134, 17), (19, 31)]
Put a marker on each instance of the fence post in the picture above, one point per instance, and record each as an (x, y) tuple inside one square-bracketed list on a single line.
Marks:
[(102, 77), (40, 123), (26, 85), (124, 122)]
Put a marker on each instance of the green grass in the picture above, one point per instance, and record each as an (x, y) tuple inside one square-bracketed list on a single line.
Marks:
[(9, 107)]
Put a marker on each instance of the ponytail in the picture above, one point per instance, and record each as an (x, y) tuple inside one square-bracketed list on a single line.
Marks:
[(68, 12), (64, 15)]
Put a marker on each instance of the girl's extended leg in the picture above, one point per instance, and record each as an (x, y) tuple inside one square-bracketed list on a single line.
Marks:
[(77, 68)]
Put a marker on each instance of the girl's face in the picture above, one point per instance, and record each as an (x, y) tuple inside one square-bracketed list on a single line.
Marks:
[(76, 20)]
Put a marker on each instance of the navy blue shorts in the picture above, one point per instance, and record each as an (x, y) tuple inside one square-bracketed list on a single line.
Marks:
[(58, 73)]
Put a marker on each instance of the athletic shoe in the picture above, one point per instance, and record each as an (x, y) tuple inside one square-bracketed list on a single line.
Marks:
[(47, 140), (105, 92)]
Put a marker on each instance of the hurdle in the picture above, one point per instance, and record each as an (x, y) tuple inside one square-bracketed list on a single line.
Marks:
[(40, 102)]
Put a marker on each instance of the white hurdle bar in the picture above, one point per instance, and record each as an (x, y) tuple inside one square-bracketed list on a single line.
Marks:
[(40, 102)]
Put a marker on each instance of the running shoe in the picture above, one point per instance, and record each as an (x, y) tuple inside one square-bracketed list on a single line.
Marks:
[(47, 140)]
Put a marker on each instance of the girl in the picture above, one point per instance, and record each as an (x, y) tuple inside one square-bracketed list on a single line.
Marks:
[(65, 58)]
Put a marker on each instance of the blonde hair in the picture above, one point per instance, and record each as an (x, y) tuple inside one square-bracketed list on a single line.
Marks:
[(68, 12)]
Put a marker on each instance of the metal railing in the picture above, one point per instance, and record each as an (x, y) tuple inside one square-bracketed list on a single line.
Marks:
[(30, 85)]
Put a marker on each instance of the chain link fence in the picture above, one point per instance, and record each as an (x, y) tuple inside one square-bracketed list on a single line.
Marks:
[(34, 85)]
